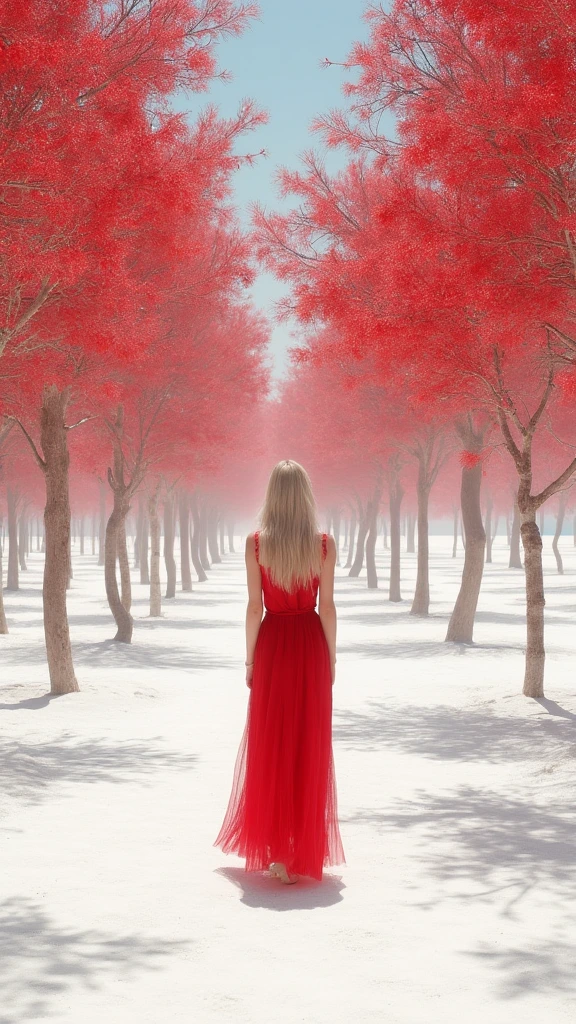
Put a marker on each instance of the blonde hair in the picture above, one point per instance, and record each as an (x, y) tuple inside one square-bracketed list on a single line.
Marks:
[(289, 547)]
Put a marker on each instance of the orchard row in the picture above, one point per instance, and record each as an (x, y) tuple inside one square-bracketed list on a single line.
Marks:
[(434, 276), (129, 346)]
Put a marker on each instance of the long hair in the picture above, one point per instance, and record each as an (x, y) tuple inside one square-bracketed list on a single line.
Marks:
[(289, 547)]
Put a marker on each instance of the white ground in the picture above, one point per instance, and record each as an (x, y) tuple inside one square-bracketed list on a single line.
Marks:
[(457, 902)]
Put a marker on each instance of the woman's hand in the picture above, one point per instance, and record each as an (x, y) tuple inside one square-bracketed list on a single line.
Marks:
[(249, 671), (333, 666)]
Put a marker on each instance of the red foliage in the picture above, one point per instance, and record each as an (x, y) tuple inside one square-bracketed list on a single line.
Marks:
[(470, 459), (124, 272)]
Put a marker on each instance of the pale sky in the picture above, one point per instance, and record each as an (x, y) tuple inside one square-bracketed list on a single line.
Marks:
[(277, 64)]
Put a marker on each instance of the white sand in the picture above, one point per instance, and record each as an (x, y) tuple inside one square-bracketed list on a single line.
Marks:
[(455, 800)]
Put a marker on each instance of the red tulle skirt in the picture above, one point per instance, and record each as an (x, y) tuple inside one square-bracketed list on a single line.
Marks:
[(283, 804)]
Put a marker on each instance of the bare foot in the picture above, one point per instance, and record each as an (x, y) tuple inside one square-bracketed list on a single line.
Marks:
[(278, 870)]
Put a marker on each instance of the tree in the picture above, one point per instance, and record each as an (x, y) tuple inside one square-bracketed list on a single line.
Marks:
[(86, 136)]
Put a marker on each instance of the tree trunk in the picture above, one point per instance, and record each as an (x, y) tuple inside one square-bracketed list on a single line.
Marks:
[(112, 547), (495, 529), (203, 535), (410, 534), (222, 534), (22, 538), (12, 581), (102, 525), (139, 530), (488, 528), (212, 531), (356, 567), (124, 564), (54, 443), (535, 654), (455, 534), (184, 514), (70, 568), (115, 542), (143, 549), (372, 522), (396, 493), (231, 537), (461, 625), (421, 602), (195, 541), (169, 560), (336, 523), (81, 535), (93, 521), (3, 623), (558, 531), (515, 561), (384, 533), (351, 536), (154, 520)]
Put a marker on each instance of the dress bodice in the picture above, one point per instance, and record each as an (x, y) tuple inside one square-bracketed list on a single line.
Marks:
[(282, 602)]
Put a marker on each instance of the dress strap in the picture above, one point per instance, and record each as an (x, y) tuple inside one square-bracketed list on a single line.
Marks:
[(324, 543), (256, 546)]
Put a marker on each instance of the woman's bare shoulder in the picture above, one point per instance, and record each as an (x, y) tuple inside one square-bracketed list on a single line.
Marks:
[(330, 543)]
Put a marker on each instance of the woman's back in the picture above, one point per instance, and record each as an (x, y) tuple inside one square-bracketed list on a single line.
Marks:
[(279, 601)]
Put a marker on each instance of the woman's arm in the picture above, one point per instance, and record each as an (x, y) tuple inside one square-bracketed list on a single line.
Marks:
[(326, 606), (254, 607)]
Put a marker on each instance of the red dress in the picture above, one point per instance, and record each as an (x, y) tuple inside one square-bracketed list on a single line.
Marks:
[(283, 804)]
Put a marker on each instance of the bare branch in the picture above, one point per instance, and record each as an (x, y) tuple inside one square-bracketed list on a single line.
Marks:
[(570, 342), (80, 422), (533, 421), (5, 429), (40, 461), (556, 484)]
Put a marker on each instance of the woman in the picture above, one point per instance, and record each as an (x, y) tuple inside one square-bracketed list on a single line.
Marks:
[(282, 813)]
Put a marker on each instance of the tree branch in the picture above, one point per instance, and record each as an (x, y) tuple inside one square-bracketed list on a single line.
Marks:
[(80, 422), (556, 484), (40, 461)]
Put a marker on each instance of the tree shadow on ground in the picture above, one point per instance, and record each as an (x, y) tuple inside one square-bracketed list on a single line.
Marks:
[(490, 839), (555, 709), (445, 733), (385, 615), (545, 968), (32, 703), (30, 771), (432, 649), (142, 624), (77, 621), (390, 615), (186, 600), (139, 654), (41, 961), (22, 592), (510, 618)]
